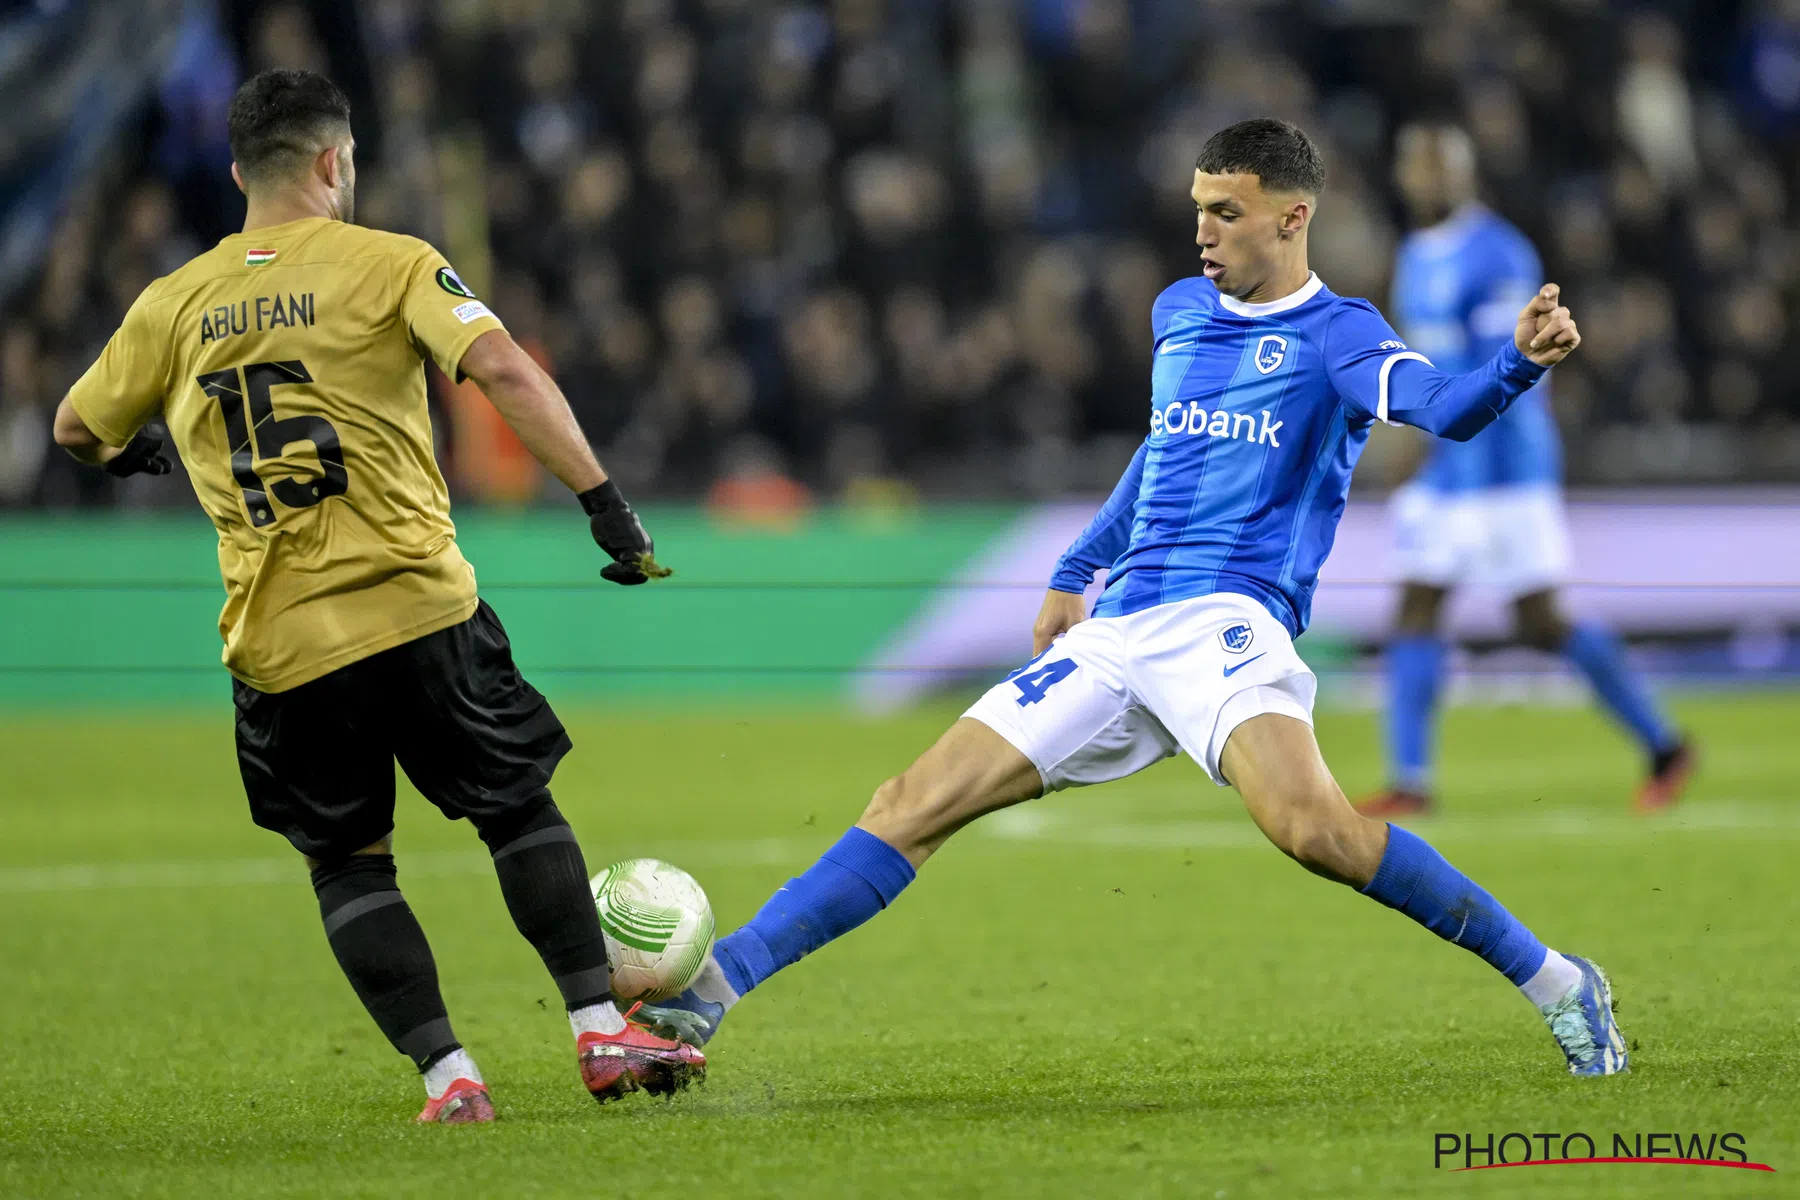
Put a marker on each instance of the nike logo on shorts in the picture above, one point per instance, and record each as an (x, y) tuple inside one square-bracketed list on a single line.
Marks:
[(1230, 671)]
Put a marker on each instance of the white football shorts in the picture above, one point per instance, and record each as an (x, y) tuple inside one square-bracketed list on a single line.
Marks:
[(1116, 694), (1514, 539)]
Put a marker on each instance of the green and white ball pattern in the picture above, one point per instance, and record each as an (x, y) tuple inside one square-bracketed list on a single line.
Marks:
[(658, 926)]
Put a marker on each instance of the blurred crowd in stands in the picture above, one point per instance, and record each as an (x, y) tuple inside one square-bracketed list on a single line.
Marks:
[(868, 249)]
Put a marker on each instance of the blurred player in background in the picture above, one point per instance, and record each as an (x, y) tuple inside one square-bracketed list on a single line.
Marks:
[(1264, 386), (288, 364), (1487, 511)]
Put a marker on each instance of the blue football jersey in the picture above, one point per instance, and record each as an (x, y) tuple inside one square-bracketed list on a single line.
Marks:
[(1258, 413), (1458, 289)]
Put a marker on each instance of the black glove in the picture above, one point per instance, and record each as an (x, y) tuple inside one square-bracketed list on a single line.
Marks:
[(618, 531), (142, 454)]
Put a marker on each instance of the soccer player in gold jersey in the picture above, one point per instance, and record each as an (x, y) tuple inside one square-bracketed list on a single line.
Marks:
[(288, 365)]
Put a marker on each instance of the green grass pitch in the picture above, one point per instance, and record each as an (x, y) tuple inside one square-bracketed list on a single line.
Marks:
[(1120, 991)]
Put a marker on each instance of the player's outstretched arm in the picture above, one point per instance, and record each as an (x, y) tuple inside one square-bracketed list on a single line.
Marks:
[(1460, 406), (535, 408), (1099, 545), (1374, 371)]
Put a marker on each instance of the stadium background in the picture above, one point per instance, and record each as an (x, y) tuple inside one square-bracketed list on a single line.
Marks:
[(852, 296), (845, 292)]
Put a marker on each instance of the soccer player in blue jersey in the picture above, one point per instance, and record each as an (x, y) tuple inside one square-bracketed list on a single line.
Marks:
[(1264, 387), (1488, 510)]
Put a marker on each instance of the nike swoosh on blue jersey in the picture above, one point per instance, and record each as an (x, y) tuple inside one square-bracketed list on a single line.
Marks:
[(1230, 671)]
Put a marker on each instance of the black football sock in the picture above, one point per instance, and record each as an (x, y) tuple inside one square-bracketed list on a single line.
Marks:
[(384, 954), (545, 882)]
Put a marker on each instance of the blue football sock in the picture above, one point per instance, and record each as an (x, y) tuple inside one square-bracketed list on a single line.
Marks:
[(1420, 882), (1621, 689), (853, 881), (1415, 669)]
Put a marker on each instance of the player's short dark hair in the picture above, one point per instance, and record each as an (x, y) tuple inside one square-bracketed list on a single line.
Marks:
[(1278, 153), (280, 119)]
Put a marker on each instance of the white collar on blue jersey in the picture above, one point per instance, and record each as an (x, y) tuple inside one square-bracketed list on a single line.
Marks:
[(1307, 291)]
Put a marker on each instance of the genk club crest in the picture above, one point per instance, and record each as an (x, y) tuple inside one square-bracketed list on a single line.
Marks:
[(1271, 352), (1236, 638)]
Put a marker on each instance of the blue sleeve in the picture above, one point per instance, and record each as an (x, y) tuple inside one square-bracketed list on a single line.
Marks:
[(1381, 380), (1106, 536), (1458, 406)]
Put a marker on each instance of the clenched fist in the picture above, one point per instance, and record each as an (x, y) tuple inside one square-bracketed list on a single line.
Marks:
[(1546, 332)]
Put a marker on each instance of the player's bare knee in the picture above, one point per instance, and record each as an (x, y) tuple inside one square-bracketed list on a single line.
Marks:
[(1415, 624), (1309, 843), (1543, 634), (1419, 609), (1328, 839), (384, 846), (889, 799), (1538, 621), (899, 811), (914, 810)]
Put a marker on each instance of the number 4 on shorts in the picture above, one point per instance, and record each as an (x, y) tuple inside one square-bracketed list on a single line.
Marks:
[(1033, 684)]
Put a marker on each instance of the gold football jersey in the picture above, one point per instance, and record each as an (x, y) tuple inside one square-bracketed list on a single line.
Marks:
[(288, 363)]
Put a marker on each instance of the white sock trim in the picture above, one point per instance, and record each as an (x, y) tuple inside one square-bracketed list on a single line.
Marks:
[(712, 986), (1552, 981), (447, 1070), (597, 1018)]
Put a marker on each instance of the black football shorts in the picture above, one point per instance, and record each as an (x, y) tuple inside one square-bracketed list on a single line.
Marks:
[(471, 734)]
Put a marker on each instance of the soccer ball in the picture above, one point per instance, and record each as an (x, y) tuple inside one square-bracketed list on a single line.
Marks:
[(658, 927)]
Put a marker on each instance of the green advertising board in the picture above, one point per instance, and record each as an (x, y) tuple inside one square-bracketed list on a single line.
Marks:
[(124, 607)]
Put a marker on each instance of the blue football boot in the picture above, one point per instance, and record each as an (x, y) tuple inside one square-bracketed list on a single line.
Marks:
[(694, 1015), (1583, 1025)]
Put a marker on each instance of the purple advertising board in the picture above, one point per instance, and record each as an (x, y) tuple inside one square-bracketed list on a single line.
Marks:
[(1650, 563)]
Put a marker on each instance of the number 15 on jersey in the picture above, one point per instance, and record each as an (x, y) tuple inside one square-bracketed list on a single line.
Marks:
[(264, 435)]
